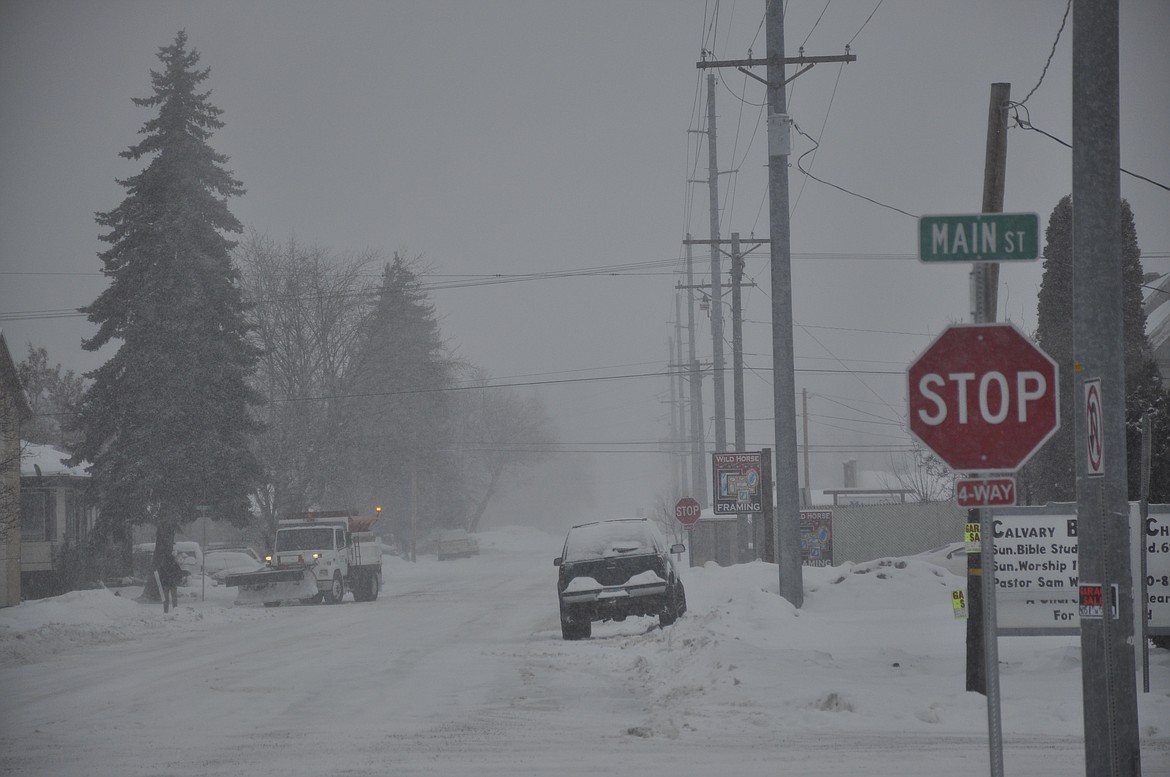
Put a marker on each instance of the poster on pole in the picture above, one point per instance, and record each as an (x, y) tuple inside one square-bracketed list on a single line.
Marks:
[(738, 483), (816, 538)]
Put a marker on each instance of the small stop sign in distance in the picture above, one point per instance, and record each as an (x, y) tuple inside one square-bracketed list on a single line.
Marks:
[(687, 510)]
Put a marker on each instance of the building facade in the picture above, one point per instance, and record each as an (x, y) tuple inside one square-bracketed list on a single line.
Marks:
[(13, 410)]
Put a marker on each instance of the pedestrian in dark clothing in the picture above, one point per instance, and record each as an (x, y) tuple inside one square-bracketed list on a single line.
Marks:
[(170, 574)]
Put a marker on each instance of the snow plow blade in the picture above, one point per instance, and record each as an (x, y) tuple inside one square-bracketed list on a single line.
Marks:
[(265, 576), (273, 586)]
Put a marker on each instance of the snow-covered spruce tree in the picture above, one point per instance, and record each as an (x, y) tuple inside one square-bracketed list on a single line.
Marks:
[(166, 422)]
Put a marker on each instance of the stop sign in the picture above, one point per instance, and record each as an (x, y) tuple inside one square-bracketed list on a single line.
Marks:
[(687, 510), (983, 397)]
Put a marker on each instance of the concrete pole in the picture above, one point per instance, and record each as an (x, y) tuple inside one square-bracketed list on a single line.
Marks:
[(787, 482), (1107, 659)]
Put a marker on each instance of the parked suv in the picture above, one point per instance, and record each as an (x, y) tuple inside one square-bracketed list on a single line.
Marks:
[(612, 569)]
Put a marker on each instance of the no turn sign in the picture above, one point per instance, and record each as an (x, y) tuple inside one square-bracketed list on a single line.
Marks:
[(1094, 429)]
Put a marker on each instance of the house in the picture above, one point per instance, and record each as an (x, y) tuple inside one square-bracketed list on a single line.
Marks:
[(54, 512), (13, 409)]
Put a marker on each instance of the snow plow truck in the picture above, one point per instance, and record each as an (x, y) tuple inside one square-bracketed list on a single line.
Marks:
[(317, 556)]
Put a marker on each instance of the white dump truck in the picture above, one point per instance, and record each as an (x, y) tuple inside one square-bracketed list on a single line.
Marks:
[(317, 556)]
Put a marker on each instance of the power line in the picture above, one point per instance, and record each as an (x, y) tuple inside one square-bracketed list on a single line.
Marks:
[(864, 24), (1052, 53), (815, 24), (835, 186), (1027, 124), (824, 123)]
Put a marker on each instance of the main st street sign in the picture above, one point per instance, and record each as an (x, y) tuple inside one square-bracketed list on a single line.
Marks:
[(983, 398), (979, 237)]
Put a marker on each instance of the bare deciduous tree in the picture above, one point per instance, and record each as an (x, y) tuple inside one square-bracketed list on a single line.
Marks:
[(499, 431), (927, 477), (9, 483), (53, 394), (307, 308)]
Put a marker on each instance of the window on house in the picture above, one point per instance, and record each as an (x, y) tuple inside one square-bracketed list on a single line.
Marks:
[(36, 515), (75, 519)]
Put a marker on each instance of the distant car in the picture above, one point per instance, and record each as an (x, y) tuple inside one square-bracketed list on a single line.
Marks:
[(189, 555), (221, 562), (233, 546), (456, 543), (612, 569)]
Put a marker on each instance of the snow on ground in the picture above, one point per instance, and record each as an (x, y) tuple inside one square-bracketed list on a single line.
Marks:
[(874, 652)]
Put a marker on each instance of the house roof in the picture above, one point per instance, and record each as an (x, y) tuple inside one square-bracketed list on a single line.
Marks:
[(1157, 308), (45, 461)]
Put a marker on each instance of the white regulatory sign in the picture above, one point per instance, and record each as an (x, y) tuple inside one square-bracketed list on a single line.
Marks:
[(1094, 429)]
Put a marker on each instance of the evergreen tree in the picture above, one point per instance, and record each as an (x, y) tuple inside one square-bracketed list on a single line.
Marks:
[(1051, 475), (166, 422), (400, 414)]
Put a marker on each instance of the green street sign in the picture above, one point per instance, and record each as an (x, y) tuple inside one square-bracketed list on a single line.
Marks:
[(980, 237)]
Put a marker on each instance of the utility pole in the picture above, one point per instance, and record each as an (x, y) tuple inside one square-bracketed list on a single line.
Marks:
[(675, 408), (698, 454), (684, 480), (783, 357), (1112, 743), (984, 294), (787, 484), (807, 496), (716, 274), (696, 423), (743, 529), (982, 636), (737, 341)]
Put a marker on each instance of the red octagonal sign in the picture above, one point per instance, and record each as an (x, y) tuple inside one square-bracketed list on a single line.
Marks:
[(687, 511), (983, 397)]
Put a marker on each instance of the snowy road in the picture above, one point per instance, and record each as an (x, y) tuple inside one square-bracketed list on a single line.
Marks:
[(459, 669)]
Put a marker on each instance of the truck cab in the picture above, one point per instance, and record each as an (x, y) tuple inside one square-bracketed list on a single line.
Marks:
[(322, 546)]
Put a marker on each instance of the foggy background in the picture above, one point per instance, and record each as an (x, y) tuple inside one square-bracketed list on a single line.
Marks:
[(540, 158)]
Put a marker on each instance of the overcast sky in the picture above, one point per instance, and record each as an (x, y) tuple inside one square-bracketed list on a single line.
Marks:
[(514, 137)]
